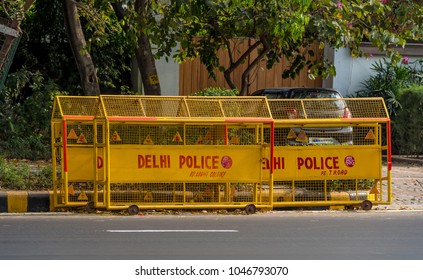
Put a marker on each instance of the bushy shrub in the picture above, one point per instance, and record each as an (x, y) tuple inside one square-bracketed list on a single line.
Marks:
[(26, 102), (216, 91), (389, 80), (407, 128)]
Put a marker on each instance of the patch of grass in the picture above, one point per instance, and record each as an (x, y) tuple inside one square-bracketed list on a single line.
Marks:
[(25, 175)]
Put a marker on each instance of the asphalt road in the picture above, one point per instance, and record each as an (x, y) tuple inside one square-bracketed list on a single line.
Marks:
[(322, 235)]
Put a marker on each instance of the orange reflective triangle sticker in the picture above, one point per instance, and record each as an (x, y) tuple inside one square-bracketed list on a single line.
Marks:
[(72, 134), (148, 197), (374, 190), (302, 137), (116, 137), (370, 135), (234, 140), (71, 190), (148, 140), (177, 137), (81, 139), (291, 134), (82, 196)]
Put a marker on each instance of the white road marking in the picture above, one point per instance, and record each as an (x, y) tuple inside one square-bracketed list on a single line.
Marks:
[(169, 230)]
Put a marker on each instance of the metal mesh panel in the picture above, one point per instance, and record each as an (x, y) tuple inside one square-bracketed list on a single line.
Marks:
[(367, 108), (205, 108), (325, 135), (323, 190), (116, 106), (183, 107), (355, 108), (76, 106), (205, 135), (100, 133), (243, 136), (164, 107), (145, 194), (79, 133), (79, 192), (174, 134), (286, 109), (144, 106), (366, 135), (228, 107), (146, 134)]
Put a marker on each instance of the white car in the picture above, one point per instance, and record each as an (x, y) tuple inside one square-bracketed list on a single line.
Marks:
[(335, 107)]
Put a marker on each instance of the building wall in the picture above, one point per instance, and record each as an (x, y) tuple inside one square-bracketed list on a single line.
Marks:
[(351, 72), (168, 72)]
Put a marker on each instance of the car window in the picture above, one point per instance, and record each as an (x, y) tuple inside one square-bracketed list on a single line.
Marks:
[(316, 94)]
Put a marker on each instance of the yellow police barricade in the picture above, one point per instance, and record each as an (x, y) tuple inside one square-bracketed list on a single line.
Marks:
[(182, 153), (72, 150), (328, 152)]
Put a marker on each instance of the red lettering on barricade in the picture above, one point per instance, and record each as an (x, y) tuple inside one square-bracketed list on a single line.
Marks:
[(318, 163), (99, 162), (278, 163), (199, 162), (153, 161)]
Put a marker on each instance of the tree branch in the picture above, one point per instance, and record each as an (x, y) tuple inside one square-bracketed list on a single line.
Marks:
[(4, 9), (234, 65), (254, 63)]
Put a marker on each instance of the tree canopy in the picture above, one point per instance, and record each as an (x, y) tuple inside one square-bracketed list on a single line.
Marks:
[(283, 28)]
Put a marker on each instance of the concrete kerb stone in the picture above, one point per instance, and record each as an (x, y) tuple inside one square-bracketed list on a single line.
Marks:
[(26, 201)]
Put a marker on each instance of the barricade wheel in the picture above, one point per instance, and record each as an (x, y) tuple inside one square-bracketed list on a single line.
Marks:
[(90, 207), (366, 205), (133, 210), (250, 209)]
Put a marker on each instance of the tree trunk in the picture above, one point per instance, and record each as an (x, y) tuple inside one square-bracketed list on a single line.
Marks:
[(14, 24), (235, 64), (77, 41), (144, 55)]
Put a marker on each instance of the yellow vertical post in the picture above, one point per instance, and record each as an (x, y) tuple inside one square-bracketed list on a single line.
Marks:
[(65, 162), (54, 159), (95, 163), (107, 163)]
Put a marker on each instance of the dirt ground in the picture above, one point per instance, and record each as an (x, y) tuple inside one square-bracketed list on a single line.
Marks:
[(407, 186)]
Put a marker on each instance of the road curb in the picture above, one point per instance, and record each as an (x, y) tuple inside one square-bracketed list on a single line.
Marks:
[(404, 159), (26, 201)]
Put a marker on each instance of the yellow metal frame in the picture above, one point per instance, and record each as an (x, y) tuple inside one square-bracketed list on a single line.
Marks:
[(185, 112), (69, 111), (245, 128), (365, 113)]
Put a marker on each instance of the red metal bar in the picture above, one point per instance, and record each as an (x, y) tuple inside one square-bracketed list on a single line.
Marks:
[(65, 147), (132, 118), (388, 128), (226, 135), (272, 146), (262, 120), (71, 117)]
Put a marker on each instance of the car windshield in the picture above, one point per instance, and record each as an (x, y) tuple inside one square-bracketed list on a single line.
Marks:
[(316, 94), (336, 105)]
